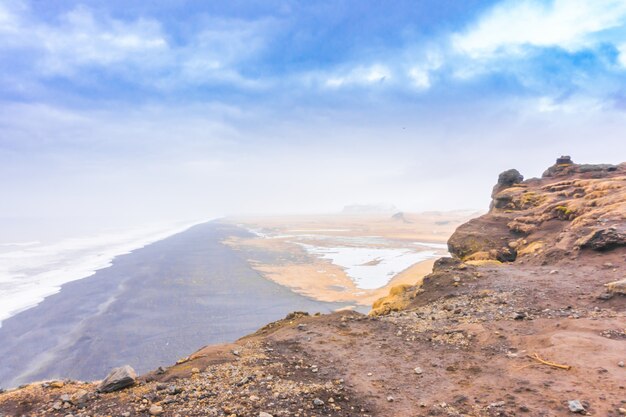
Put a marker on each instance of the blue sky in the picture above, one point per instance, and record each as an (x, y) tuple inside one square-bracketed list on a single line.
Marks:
[(181, 109)]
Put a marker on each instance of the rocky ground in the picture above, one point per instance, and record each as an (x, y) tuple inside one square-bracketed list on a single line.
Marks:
[(539, 335)]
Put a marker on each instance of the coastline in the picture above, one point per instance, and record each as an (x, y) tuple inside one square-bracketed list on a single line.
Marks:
[(31, 271), (151, 307)]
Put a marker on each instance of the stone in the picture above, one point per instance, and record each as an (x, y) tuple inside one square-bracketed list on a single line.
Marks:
[(617, 287), (264, 414), (575, 406), (564, 160), (118, 379), (390, 399), (57, 384), (603, 239), (418, 370), (79, 398), (195, 371), (620, 364), (155, 410), (318, 403), (520, 315)]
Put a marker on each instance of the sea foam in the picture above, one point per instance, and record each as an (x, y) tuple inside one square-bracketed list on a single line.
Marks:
[(32, 271)]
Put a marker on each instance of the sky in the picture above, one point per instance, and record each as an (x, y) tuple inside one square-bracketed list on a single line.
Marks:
[(131, 111)]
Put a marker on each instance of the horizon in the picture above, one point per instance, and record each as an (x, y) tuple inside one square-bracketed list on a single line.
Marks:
[(129, 114)]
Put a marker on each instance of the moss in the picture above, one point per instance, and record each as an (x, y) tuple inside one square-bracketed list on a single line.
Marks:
[(491, 262), (531, 248)]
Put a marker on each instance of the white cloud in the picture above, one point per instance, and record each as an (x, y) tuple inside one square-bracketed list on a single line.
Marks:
[(420, 74), (361, 75), (82, 40), (136, 49), (514, 24)]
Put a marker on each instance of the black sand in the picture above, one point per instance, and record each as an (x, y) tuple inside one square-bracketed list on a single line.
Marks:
[(150, 308)]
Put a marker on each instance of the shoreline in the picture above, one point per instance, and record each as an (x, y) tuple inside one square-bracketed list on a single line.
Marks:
[(34, 271), (149, 309)]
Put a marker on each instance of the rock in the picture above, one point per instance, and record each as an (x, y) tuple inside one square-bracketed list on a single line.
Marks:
[(119, 378), (520, 315), (418, 370), (507, 179), (264, 414), (617, 287), (155, 410), (317, 402), (390, 399), (554, 271), (79, 398), (195, 371), (620, 364), (575, 406), (564, 160), (603, 239), (622, 410), (57, 384), (65, 398)]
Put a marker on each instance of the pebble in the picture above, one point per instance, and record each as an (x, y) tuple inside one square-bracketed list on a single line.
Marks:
[(156, 410), (622, 410), (318, 402), (390, 399), (195, 371), (57, 384), (264, 414), (620, 364), (418, 370), (575, 406)]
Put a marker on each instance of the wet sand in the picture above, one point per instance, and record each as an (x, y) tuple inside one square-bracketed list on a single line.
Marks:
[(150, 308)]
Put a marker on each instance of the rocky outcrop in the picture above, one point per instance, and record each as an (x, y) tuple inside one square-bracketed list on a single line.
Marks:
[(118, 379), (570, 209)]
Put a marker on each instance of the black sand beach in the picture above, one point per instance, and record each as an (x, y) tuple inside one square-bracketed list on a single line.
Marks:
[(150, 308)]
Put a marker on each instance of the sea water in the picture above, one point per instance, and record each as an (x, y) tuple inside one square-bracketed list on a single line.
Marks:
[(31, 270)]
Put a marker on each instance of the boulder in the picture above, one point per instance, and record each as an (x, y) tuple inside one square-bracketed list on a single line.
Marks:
[(507, 179), (118, 379), (603, 239)]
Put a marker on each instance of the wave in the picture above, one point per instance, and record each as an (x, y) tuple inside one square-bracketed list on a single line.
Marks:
[(34, 271)]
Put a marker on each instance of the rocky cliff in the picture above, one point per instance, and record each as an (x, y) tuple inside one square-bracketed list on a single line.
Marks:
[(571, 208), (527, 318)]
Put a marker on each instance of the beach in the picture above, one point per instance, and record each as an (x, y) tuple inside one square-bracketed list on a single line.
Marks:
[(149, 308), (349, 258)]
